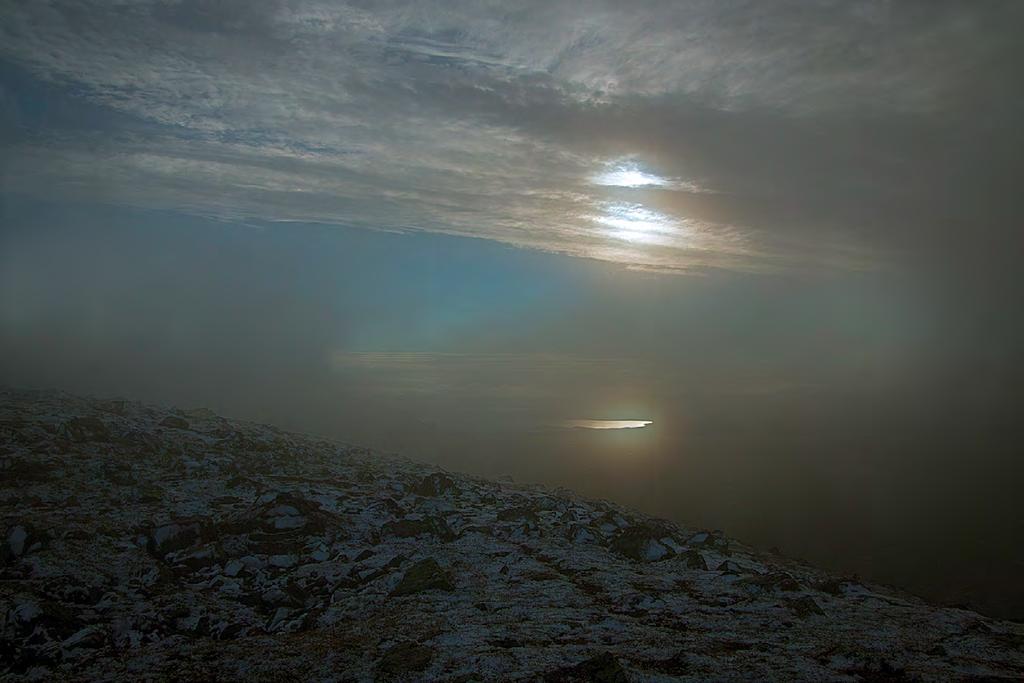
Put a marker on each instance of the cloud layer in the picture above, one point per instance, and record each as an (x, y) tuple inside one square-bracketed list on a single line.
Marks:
[(785, 130)]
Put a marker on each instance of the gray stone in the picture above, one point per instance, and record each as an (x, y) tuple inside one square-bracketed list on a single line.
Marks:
[(402, 659), (423, 576), (174, 422)]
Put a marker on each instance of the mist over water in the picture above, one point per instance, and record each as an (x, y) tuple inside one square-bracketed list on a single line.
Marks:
[(849, 423), (753, 266)]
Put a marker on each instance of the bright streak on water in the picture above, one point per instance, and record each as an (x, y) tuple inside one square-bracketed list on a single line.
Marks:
[(607, 424)]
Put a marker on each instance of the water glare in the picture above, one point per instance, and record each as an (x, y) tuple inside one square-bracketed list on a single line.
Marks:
[(607, 424)]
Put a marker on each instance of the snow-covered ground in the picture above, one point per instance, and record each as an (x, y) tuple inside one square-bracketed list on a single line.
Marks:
[(144, 543)]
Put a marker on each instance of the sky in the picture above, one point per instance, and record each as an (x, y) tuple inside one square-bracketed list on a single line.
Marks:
[(787, 234)]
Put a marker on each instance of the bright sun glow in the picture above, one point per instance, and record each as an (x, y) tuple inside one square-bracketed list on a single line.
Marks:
[(607, 424), (634, 223), (629, 175)]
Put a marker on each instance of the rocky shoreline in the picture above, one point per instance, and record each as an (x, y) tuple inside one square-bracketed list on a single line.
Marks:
[(147, 543)]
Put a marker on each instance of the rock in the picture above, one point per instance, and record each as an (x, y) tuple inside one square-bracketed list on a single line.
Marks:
[(168, 538), (517, 513), (88, 637), (804, 607), (695, 560), (558, 588), (21, 539), (276, 597), (278, 618), (252, 563), (147, 442), (578, 533), (174, 422), (404, 658), (836, 585), (710, 540), (24, 614), (729, 567), (194, 624), (433, 485), (284, 516), (197, 560), (283, 561), (884, 671), (280, 514), (114, 406), (201, 414), (16, 539), (85, 429), (362, 575), (676, 665), (424, 575), (773, 581), (602, 668), (641, 543), (228, 630), (610, 522), (286, 522), (125, 635), (412, 527)]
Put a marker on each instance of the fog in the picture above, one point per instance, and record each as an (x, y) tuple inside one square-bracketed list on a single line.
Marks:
[(787, 234), (848, 419)]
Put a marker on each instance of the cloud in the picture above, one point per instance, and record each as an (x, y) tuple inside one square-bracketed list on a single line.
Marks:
[(481, 120)]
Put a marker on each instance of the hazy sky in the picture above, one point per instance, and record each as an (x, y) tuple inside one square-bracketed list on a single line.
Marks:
[(788, 233)]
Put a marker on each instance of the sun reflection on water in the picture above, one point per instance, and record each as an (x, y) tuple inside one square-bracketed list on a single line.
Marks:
[(607, 424)]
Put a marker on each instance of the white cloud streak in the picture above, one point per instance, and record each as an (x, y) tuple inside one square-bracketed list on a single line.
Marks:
[(446, 117)]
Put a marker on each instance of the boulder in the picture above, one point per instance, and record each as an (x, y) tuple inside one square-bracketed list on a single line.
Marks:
[(402, 659), (610, 522), (517, 513), (233, 568), (114, 406), (279, 514), (773, 581), (174, 422), (277, 619), (23, 614), (695, 560), (424, 575), (642, 543), (17, 539), (602, 668), (21, 539), (88, 637), (578, 533), (412, 527), (836, 585), (710, 540), (283, 561), (174, 536), (432, 485), (804, 607), (196, 560), (729, 567), (284, 517), (85, 429)]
